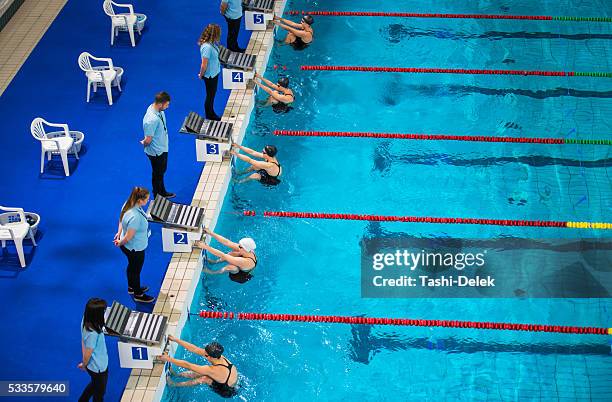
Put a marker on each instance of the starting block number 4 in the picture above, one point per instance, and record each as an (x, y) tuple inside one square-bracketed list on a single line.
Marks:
[(237, 77), (139, 353)]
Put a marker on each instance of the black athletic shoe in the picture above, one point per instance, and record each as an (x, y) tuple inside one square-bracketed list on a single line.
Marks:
[(144, 298), (169, 195), (144, 289)]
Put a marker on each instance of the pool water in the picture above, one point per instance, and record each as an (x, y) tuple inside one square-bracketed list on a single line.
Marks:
[(313, 266)]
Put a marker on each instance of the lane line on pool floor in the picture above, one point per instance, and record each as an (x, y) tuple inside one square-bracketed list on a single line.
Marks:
[(430, 219), (465, 71), (449, 16), (565, 329), (439, 137)]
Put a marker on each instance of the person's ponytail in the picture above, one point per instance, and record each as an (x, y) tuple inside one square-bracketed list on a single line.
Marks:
[(138, 193)]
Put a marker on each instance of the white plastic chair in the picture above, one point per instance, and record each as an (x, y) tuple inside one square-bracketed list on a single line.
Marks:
[(57, 142), (106, 76), (122, 21), (13, 226)]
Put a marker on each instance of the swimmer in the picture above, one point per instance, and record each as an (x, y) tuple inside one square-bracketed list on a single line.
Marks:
[(268, 170), (281, 97), (241, 261), (299, 35), (221, 375)]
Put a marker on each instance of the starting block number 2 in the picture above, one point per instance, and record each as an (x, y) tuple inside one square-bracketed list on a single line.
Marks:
[(180, 238)]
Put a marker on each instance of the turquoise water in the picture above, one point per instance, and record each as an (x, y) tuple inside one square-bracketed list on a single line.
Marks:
[(313, 266)]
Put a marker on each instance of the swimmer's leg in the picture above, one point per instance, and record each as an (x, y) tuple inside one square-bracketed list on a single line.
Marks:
[(290, 38), (189, 374), (254, 176), (227, 268)]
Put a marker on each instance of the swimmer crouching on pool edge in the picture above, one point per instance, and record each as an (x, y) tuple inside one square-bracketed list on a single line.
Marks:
[(241, 261), (221, 375), (268, 171), (281, 97)]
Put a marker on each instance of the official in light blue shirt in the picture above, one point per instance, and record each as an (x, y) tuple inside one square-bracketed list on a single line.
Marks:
[(210, 67), (154, 126), (210, 52), (155, 142), (93, 347), (132, 238), (136, 219), (233, 9)]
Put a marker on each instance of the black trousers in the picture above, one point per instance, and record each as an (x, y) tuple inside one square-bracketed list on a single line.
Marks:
[(211, 91), (134, 267), (159, 164), (233, 28), (96, 387)]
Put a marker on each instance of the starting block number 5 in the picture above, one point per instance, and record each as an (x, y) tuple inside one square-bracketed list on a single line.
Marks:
[(258, 18)]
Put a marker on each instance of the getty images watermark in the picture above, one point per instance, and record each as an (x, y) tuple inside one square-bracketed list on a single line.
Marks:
[(506, 267)]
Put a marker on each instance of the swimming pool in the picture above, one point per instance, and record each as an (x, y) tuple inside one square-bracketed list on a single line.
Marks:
[(313, 266)]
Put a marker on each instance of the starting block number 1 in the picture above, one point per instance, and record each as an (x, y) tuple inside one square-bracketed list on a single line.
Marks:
[(139, 353), (258, 18), (237, 77)]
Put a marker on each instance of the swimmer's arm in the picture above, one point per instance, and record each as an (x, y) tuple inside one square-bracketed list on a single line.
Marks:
[(281, 98), (250, 151), (190, 347), (289, 23), (271, 84), (257, 164), (224, 241), (204, 370), (297, 32)]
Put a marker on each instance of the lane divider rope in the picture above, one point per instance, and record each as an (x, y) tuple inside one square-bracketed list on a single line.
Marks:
[(564, 329), (430, 219), (440, 137), (453, 16), (420, 70)]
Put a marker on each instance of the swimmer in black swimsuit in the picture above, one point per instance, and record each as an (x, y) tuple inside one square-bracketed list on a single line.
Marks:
[(268, 170), (241, 261), (299, 35), (220, 368), (281, 97)]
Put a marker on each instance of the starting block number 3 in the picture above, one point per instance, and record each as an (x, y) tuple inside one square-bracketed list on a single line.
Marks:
[(212, 149)]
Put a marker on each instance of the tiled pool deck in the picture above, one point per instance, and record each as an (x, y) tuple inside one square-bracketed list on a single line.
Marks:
[(184, 270)]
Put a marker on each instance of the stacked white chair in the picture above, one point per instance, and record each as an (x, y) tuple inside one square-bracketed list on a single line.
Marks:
[(107, 76), (14, 227), (59, 142), (123, 21)]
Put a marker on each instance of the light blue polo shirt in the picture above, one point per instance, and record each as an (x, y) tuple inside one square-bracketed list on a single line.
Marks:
[(136, 219), (154, 125), (210, 52), (99, 357), (234, 9)]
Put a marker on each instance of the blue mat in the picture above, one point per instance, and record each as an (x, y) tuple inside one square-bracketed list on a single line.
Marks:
[(42, 306)]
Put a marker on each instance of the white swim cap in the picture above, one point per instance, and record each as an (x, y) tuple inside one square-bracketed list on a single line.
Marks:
[(247, 244)]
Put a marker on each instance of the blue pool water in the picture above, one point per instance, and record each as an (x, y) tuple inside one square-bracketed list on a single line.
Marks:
[(313, 266)]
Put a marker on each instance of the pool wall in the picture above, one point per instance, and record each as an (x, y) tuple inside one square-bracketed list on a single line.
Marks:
[(184, 271)]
